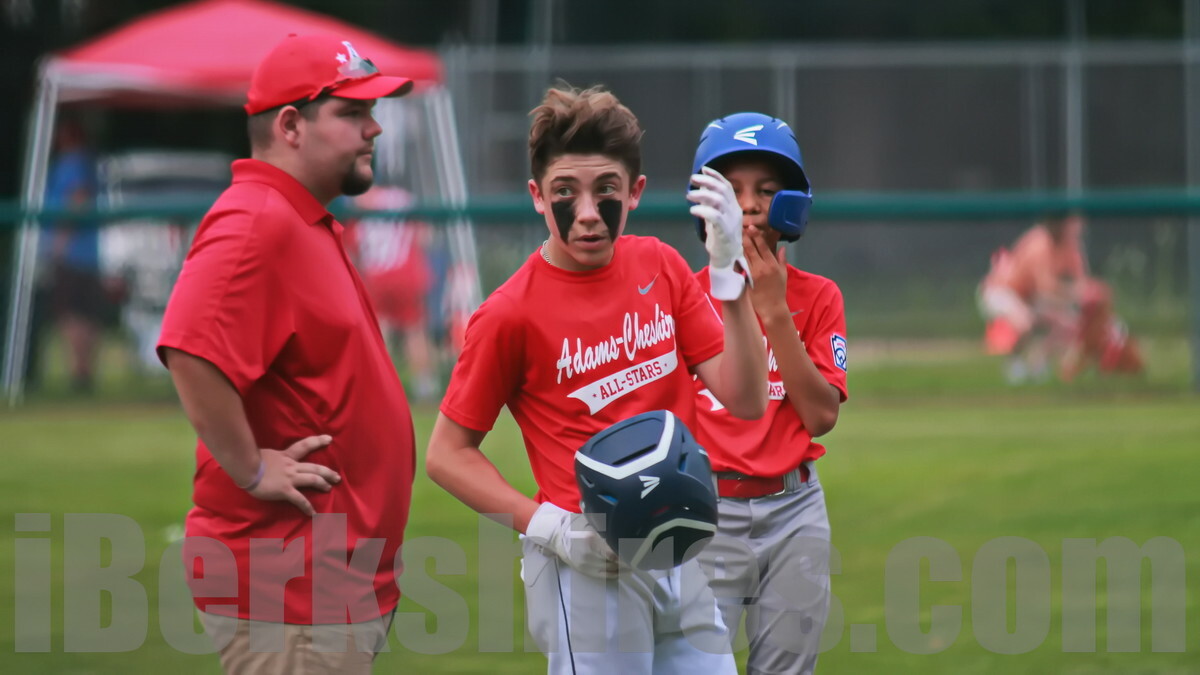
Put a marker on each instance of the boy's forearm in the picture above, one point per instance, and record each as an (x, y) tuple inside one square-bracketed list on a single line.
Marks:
[(814, 399), (458, 465), (744, 364)]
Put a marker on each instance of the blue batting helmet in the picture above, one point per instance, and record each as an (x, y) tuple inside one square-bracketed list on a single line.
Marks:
[(647, 485), (751, 132)]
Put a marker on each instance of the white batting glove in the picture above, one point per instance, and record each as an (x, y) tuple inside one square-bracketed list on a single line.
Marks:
[(715, 203), (569, 537)]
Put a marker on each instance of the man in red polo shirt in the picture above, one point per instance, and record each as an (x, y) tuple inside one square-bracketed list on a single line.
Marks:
[(304, 464)]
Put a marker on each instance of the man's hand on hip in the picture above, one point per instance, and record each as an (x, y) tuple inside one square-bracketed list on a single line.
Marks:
[(282, 474)]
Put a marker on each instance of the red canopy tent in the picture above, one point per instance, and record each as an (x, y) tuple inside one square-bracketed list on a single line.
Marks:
[(204, 53), (207, 49)]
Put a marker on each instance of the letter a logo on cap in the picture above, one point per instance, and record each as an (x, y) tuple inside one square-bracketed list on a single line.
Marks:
[(354, 57), (354, 65)]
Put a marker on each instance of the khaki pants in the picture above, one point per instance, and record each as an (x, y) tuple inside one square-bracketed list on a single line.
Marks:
[(264, 648)]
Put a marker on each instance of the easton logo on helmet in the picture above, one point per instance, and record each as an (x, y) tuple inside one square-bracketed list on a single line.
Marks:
[(747, 135), (648, 484)]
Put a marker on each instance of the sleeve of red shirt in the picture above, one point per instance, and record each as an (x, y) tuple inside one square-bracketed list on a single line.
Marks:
[(825, 337), (228, 306), (490, 367), (698, 329)]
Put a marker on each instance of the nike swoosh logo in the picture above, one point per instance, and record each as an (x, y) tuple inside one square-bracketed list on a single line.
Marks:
[(648, 286), (797, 312)]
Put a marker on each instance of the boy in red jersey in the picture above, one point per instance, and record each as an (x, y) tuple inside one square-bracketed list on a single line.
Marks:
[(594, 328), (770, 557)]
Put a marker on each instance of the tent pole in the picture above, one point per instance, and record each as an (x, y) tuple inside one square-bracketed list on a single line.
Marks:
[(460, 233), (39, 134)]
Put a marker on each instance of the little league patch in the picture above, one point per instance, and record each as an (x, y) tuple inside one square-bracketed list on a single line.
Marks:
[(838, 344)]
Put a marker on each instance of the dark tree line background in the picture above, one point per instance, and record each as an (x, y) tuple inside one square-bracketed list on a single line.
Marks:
[(31, 28)]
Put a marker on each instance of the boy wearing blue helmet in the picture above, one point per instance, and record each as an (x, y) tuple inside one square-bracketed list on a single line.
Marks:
[(770, 558)]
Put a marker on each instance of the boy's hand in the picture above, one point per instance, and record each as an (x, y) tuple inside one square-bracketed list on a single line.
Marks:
[(714, 202)]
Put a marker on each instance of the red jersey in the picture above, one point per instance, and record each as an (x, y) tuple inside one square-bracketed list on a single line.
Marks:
[(778, 442), (571, 353), (267, 294), (394, 267)]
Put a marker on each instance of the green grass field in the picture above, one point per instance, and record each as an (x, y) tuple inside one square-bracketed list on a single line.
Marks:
[(930, 445)]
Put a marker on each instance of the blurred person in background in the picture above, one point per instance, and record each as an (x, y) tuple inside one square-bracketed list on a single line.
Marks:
[(70, 281), (770, 558), (1102, 340), (1031, 295), (390, 254), (305, 454)]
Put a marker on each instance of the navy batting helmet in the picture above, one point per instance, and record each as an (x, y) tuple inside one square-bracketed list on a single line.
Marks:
[(645, 481), (751, 132)]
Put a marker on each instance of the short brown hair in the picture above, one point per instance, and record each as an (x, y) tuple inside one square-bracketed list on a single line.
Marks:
[(583, 122), (258, 125)]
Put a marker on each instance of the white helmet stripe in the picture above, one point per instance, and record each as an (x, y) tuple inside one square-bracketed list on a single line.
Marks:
[(651, 539), (641, 463)]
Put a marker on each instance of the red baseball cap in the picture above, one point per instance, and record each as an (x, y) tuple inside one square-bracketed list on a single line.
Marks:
[(303, 67)]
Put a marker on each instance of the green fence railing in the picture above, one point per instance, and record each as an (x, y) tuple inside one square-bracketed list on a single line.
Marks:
[(929, 206)]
